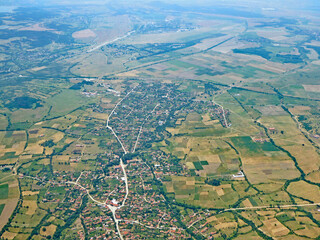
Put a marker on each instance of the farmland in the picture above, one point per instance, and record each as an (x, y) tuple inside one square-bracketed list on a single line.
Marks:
[(160, 121)]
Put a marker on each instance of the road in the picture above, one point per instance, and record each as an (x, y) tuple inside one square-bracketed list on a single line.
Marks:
[(140, 130), (276, 207), (224, 115), (94, 200), (108, 42), (113, 209)]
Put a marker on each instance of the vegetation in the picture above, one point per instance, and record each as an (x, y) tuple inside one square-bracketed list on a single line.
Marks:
[(158, 121), (24, 102)]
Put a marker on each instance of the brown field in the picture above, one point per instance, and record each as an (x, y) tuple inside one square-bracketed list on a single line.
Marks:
[(190, 182), (17, 147), (245, 229), (38, 68), (103, 116), (247, 203), (36, 27), (310, 231), (107, 106), (208, 169), (314, 177), (169, 187), (190, 165), (228, 46), (132, 73), (294, 141), (232, 77), (272, 33), (211, 219), (270, 187), (262, 169), (8, 161), (179, 121), (312, 88), (29, 193), (207, 43), (57, 137), (49, 151), (271, 110), (87, 33), (34, 148), (32, 206), (163, 37), (210, 158), (9, 235), (274, 228), (250, 235), (10, 203), (305, 190), (3, 122), (307, 157), (207, 120), (267, 214), (93, 65), (268, 67), (300, 110), (220, 192), (56, 125), (61, 158), (225, 225), (50, 230), (173, 131), (69, 140)]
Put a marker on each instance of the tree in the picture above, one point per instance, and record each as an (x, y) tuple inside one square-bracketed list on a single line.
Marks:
[(213, 182)]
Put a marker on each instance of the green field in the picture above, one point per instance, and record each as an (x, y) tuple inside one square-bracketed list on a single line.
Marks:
[(1, 208), (65, 102), (198, 165), (4, 190), (246, 143)]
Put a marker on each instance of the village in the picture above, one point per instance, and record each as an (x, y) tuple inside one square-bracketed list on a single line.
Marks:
[(139, 122)]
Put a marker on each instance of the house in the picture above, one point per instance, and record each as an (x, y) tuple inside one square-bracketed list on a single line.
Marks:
[(240, 174)]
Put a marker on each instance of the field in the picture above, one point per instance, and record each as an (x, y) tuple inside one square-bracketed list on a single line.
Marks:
[(301, 149), (4, 189), (1, 208), (160, 120), (194, 191), (9, 194)]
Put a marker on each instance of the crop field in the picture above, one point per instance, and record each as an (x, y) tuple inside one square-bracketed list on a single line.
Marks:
[(4, 189), (300, 148), (160, 121), (190, 190), (9, 194), (305, 190)]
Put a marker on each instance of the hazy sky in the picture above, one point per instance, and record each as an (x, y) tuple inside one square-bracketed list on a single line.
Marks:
[(292, 4)]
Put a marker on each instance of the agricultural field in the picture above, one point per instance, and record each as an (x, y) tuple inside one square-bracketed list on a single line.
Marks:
[(158, 120)]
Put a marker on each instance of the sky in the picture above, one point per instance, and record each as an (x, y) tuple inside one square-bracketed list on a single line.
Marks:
[(289, 4)]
